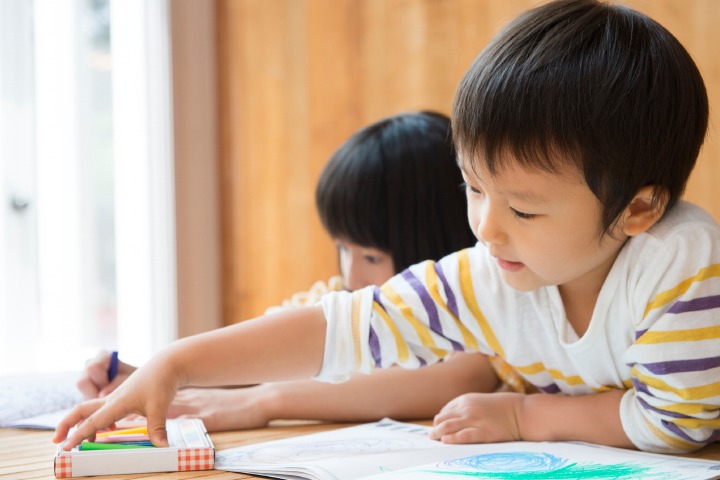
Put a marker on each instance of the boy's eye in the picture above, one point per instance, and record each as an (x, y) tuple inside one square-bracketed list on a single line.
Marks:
[(371, 259), (523, 215), (467, 187)]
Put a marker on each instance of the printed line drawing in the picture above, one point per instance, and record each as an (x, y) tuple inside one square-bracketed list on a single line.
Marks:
[(305, 452)]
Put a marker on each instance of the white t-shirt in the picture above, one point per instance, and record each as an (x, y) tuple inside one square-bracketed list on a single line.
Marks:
[(655, 330)]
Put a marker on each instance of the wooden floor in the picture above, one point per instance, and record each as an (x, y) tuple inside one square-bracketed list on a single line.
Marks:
[(29, 453)]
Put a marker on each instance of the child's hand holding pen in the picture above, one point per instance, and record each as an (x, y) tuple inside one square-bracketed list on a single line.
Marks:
[(245, 353), (102, 375)]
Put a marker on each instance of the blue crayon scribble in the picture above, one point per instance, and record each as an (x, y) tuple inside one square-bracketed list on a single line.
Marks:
[(541, 466), (509, 462)]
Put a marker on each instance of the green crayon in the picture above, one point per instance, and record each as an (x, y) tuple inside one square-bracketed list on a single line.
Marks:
[(109, 446)]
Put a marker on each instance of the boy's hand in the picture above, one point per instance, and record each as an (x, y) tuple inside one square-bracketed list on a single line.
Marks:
[(94, 382), (479, 418), (147, 392)]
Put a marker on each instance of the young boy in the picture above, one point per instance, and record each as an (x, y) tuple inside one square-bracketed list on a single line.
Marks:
[(577, 128)]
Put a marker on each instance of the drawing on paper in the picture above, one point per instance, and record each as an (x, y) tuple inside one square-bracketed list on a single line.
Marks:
[(538, 466), (311, 451)]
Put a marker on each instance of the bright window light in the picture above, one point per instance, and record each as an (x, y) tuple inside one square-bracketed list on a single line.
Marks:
[(87, 251)]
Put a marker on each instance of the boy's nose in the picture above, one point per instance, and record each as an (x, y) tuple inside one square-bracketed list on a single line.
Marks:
[(489, 229)]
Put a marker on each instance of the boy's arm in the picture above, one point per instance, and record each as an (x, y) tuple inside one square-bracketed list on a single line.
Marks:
[(272, 348), (393, 392), (587, 418), (478, 418)]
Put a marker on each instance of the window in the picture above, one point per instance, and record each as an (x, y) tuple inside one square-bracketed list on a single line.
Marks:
[(87, 220)]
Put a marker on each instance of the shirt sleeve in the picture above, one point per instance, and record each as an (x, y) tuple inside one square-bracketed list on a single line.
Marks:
[(413, 320), (674, 405)]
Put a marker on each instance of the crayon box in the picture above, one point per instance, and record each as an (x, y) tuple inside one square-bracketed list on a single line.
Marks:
[(190, 448)]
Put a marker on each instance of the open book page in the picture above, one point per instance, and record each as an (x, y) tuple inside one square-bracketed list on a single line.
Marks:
[(389, 450), (37, 400), (553, 460), (347, 453)]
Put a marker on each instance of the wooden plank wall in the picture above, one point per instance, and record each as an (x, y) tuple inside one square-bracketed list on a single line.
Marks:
[(297, 77)]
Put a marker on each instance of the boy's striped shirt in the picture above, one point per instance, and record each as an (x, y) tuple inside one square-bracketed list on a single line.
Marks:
[(655, 330)]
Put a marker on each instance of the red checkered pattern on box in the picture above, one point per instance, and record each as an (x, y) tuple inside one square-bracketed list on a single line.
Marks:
[(196, 459), (63, 466)]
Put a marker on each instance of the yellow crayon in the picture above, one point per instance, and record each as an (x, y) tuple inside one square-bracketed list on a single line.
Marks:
[(127, 431)]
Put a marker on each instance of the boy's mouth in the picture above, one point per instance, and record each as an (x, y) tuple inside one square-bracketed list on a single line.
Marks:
[(510, 266)]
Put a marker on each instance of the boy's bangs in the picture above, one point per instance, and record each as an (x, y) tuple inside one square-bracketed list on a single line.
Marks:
[(534, 93), (522, 119)]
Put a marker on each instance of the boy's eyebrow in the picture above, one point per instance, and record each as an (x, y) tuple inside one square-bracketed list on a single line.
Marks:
[(525, 196), (521, 195)]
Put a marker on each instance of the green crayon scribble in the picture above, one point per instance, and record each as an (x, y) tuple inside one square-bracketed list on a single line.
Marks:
[(572, 471)]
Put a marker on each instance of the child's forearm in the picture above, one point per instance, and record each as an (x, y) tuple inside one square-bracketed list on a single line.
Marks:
[(277, 347), (287, 345), (394, 392), (588, 418)]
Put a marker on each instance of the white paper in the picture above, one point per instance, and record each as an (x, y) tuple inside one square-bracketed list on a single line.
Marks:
[(37, 400), (388, 450), (558, 460)]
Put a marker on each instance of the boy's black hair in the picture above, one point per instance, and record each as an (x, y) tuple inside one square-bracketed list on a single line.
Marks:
[(395, 186), (600, 86)]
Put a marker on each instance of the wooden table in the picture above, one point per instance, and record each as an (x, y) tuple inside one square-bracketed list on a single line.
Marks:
[(29, 453)]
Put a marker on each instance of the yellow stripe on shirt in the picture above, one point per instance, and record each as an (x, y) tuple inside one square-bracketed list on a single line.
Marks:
[(671, 441), (689, 408), (690, 393), (466, 286), (355, 322), (669, 295), (433, 288), (531, 369), (400, 345), (539, 367), (696, 423), (687, 335)]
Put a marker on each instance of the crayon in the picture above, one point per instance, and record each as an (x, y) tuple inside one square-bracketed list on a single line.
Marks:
[(113, 368), (109, 446), (122, 438), (126, 431)]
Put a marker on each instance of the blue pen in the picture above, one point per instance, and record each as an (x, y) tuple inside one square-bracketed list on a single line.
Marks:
[(113, 368)]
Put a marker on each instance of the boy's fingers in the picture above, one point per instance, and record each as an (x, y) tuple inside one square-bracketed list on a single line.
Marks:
[(89, 418), (77, 414), (157, 430), (85, 430)]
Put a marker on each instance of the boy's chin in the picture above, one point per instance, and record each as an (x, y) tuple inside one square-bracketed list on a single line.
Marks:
[(522, 282)]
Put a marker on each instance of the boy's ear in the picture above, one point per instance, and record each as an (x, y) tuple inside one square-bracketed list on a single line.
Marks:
[(644, 210)]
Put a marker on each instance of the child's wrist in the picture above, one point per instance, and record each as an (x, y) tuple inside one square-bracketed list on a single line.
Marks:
[(530, 423), (270, 401)]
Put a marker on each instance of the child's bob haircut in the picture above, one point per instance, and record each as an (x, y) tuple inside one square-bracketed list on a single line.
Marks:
[(599, 86), (395, 186)]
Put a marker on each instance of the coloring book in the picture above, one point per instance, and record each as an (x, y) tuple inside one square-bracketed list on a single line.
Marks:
[(37, 400), (390, 450)]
